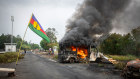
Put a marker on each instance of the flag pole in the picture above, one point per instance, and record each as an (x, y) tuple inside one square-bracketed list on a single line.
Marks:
[(22, 42)]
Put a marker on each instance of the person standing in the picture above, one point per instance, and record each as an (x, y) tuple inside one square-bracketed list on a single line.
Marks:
[(25, 51), (50, 50)]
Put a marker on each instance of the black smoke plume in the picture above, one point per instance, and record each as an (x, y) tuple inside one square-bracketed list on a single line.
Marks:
[(92, 19), (128, 19)]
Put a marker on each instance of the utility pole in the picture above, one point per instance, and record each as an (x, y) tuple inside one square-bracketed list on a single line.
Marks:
[(12, 19)]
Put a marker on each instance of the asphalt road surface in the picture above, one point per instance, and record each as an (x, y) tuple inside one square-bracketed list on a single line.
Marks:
[(35, 67)]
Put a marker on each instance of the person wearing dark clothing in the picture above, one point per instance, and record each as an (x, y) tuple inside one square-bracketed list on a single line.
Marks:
[(52, 51), (24, 51)]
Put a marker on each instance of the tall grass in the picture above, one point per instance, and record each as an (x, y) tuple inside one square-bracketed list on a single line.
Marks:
[(9, 57), (122, 60), (120, 65), (123, 57)]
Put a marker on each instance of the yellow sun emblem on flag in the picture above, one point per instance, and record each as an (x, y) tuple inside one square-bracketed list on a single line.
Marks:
[(36, 25)]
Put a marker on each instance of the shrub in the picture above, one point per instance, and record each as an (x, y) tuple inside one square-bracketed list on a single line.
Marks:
[(9, 57), (120, 65)]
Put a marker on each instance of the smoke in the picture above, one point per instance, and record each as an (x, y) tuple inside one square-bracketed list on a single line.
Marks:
[(93, 18), (128, 19)]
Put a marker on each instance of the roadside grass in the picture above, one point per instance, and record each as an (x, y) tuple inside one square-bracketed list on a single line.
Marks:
[(120, 65), (122, 60), (122, 57), (9, 57)]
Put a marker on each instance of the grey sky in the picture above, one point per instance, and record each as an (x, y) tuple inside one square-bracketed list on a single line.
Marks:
[(50, 13)]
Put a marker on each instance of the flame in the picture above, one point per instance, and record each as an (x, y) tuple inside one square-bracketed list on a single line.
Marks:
[(81, 52), (73, 48)]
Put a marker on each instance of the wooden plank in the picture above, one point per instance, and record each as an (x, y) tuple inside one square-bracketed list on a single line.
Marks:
[(7, 70)]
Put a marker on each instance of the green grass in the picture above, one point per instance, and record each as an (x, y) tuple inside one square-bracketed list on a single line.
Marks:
[(122, 57), (9, 57), (120, 65), (122, 60)]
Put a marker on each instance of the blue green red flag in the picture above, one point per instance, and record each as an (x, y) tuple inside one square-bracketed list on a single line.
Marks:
[(35, 26)]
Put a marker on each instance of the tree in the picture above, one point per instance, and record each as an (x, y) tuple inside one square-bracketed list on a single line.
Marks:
[(51, 33), (34, 46), (122, 44), (128, 44), (4, 39), (24, 46), (112, 44), (136, 34), (17, 39), (43, 44), (118, 44)]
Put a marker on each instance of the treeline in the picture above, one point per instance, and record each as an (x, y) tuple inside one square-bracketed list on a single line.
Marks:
[(118, 44), (7, 39), (51, 33)]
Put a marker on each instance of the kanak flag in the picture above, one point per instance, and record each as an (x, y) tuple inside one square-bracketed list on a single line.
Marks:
[(35, 26)]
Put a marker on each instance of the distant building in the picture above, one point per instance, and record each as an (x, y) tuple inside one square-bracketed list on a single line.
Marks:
[(10, 47)]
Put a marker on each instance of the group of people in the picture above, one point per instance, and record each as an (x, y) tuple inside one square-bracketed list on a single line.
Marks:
[(51, 51)]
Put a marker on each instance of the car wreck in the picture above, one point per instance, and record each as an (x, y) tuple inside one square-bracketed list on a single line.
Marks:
[(132, 69), (75, 51)]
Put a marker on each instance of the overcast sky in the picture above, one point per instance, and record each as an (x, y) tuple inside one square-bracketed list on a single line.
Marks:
[(50, 13)]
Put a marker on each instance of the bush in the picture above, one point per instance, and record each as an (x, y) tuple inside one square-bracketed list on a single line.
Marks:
[(9, 57)]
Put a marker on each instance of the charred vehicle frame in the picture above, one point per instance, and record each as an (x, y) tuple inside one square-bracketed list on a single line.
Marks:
[(66, 54)]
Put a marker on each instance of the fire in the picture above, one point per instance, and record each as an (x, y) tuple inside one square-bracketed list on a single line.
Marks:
[(81, 52), (73, 48)]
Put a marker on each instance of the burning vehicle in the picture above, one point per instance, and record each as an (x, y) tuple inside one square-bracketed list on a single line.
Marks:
[(132, 69), (75, 51), (91, 22)]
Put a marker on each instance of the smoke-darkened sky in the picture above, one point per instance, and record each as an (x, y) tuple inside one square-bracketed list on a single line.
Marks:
[(56, 13), (96, 18), (50, 13)]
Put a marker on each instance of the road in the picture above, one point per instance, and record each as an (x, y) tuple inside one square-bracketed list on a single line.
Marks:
[(35, 67)]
